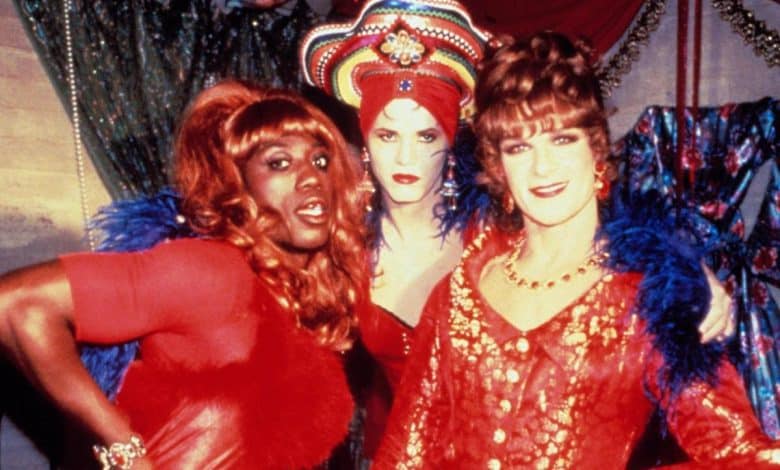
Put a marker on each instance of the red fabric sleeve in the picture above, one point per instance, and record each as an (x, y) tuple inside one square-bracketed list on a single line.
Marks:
[(715, 424), (123, 296), (421, 402)]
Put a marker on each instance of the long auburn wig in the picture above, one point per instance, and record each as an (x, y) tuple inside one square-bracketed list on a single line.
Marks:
[(527, 86), (220, 131)]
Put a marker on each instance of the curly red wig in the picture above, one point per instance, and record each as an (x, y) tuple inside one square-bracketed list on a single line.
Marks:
[(220, 131), (528, 86)]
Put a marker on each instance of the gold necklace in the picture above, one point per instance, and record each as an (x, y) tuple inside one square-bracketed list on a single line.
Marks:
[(513, 277)]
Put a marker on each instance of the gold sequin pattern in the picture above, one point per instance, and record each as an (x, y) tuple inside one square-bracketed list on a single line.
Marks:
[(572, 393)]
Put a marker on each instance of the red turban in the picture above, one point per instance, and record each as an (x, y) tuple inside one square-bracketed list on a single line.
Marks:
[(440, 98)]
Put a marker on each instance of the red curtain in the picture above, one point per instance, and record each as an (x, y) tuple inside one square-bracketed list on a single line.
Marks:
[(600, 21)]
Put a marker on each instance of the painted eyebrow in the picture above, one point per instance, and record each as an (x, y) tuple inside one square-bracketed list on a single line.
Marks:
[(319, 148), (513, 140), (283, 146), (270, 145), (564, 130)]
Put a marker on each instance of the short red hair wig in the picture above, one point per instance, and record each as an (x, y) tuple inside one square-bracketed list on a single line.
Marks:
[(531, 85)]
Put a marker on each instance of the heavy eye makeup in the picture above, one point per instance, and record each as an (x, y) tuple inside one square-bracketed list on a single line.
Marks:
[(273, 157), (514, 146), (386, 135), (277, 161), (428, 136), (564, 137), (321, 160)]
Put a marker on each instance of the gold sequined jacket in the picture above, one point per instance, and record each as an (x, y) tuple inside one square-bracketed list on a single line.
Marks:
[(575, 392)]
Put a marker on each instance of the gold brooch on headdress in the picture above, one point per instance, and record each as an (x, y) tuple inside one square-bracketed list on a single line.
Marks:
[(436, 39), (403, 48)]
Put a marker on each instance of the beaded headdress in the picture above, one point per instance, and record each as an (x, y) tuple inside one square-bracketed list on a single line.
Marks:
[(424, 50)]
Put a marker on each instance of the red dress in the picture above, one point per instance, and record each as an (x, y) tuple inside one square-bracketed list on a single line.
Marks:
[(388, 340), (224, 378), (574, 392)]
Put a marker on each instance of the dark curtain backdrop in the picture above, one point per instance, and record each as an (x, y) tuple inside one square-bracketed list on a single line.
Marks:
[(139, 62)]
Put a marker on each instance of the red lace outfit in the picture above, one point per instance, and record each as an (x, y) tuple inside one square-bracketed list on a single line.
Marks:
[(224, 378), (573, 393)]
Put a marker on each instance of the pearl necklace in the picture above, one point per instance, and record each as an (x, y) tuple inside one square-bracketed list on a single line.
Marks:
[(513, 277)]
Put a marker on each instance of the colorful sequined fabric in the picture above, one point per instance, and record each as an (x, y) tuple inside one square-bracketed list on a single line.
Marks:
[(435, 38), (733, 142), (576, 392)]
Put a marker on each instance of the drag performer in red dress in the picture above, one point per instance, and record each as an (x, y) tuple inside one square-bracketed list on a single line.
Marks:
[(409, 69), (239, 329), (567, 320)]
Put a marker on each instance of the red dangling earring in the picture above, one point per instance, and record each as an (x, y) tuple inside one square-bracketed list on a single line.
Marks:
[(366, 185), (602, 183)]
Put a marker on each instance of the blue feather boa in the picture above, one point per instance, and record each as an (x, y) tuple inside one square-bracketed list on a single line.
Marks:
[(130, 225), (647, 234)]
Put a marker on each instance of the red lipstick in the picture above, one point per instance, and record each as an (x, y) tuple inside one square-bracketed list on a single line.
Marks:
[(550, 190), (402, 178)]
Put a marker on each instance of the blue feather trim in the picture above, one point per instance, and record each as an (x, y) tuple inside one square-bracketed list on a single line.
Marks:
[(647, 234), (141, 223), (130, 225), (473, 200)]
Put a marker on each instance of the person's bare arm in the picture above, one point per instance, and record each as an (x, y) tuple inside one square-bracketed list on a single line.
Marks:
[(37, 335)]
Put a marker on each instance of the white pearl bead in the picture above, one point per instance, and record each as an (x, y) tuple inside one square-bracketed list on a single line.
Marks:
[(76, 124)]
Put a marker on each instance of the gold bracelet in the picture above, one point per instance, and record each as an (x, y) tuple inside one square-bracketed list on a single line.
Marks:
[(119, 455)]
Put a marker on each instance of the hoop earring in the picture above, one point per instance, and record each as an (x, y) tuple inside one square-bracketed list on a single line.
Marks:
[(450, 186), (508, 203), (602, 183), (366, 185)]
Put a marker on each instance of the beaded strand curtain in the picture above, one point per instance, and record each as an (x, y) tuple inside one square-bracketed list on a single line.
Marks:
[(139, 62)]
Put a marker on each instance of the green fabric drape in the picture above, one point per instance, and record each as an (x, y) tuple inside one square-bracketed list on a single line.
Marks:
[(138, 63)]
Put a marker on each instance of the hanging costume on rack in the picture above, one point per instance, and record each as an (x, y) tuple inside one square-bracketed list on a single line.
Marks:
[(733, 142)]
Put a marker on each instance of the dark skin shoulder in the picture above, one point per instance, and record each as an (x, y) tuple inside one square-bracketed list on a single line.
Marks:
[(37, 336)]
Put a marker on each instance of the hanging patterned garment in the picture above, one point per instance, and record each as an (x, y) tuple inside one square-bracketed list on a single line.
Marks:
[(732, 142)]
